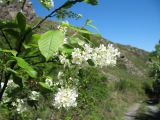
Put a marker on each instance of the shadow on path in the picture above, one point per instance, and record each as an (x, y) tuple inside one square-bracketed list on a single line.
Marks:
[(153, 113), (150, 116)]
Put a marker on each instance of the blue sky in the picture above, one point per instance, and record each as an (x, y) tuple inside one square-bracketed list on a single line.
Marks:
[(129, 22)]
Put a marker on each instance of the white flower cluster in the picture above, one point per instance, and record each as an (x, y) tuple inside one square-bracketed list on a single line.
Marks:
[(48, 3), (64, 60), (10, 85), (62, 28), (105, 56), (19, 104), (65, 98), (34, 95), (79, 56), (101, 56)]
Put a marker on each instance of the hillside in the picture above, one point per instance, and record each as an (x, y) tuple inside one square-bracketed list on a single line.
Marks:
[(124, 83)]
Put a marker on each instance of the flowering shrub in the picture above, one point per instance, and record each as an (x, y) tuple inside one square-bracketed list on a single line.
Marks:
[(47, 66), (65, 98)]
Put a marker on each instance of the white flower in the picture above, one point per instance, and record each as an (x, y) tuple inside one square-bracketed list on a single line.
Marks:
[(65, 40), (19, 104), (62, 28), (105, 56), (49, 82), (60, 75), (87, 48), (77, 56), (65, 98), (64, 60), (34, 95)]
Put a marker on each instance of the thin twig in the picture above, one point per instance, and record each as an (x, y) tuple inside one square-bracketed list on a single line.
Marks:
[(51, 14), (6, 39)]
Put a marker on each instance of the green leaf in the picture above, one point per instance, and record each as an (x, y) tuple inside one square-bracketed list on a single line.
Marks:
[(8, 24), (50, 42), (32, 41), (13, 52), (21, 20), (73, 40), (14, 33), (45, 86), (88, 23), (90, 62), (79, 30), (92, 2), (66, 49), (23, 64), (35, 37), (48, 4), (17, 80), (11, 71)]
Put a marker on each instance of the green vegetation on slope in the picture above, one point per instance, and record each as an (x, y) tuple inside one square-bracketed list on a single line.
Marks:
[(124, 85), (111, 96)]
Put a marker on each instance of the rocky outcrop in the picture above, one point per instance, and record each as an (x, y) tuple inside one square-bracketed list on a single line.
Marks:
[(9, 11)]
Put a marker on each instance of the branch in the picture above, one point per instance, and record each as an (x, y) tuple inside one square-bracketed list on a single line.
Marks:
[(1, 77), (7, 41), (51, 14), (7, 76), (23, 4), (4, 87)]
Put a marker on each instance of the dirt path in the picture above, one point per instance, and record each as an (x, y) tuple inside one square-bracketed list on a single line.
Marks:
[(131, 113), (151, 114)]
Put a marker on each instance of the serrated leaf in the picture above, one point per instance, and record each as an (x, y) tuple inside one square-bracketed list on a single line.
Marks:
[(13, 52), (21, 20), (50, 42), (24, 65)]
